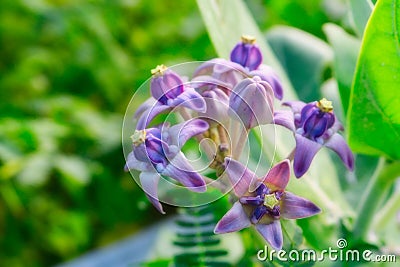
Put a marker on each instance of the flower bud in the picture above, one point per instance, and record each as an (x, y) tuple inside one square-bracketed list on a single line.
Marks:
[(165, 84), (217, 103), (247, 53), (316, 119), (252, 101)]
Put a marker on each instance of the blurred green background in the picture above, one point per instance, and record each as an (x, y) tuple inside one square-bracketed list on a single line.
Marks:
[(68, 69)]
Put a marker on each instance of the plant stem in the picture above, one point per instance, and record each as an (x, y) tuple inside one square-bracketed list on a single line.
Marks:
[(237, 150), (377, 189), (389, 211)]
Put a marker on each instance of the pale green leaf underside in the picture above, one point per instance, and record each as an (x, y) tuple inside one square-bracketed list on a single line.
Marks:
[(360, 10), (346, 49), (374, 117)]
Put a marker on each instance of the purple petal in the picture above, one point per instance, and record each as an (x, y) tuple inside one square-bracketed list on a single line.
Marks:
[(133, 163), (149, 182), (148, 115), (190, 99), (167, 85), (217, 66), (234, 220), (180, 133), (269, 75), (207, 67), (239, 175), (223, 70), (180, 169), (247, 55), (258, 213), (339, 145), (252, 101), (217, 103), (278, 176), (272, 233), (305, 152), (296, 106), (144, 107), (249, 200), (295, 207), (205, 80), (284, 118), (315, 125)]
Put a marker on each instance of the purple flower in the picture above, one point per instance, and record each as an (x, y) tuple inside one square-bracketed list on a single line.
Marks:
[(220, 73), (245, 62), (266, 73), (156, 152), (252, 101), (262, 202), (169, 91), (314, 126), (217, 103), (247, 53)]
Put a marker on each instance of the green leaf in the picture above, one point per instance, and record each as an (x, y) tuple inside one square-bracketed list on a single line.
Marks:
[(374, 117), (360, 11), (345, 48), (312, 59), (73, 168), (226, 21)]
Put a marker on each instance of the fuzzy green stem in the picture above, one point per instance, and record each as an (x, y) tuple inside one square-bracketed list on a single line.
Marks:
[(377, 189)]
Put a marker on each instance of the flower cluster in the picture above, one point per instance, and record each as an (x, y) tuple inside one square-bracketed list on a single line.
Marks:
[(220, 93)]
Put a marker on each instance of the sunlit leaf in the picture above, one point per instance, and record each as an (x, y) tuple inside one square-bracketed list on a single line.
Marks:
[(374, 117), (360, 11)]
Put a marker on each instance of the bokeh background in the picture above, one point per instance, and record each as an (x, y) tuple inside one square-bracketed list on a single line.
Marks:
[(68, 69)]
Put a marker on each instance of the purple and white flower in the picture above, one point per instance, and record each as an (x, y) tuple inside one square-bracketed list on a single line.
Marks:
[(314, 125), (262, 202), (157, 152), (246, 59), (252, 100)]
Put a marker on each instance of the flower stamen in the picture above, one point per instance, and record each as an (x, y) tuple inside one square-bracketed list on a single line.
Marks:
[(325, 105), (270, 201), (138, 137), (159, 70), (248, 39)]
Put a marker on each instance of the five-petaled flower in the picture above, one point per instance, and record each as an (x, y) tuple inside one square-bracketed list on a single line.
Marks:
[(262, 202), (314, 125), (156, 152)]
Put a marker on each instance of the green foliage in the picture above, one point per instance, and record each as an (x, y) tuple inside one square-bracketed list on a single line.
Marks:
[(360, 10), (199, 245), (373, 118), (346, 48), (67, 72), (305, 58)]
